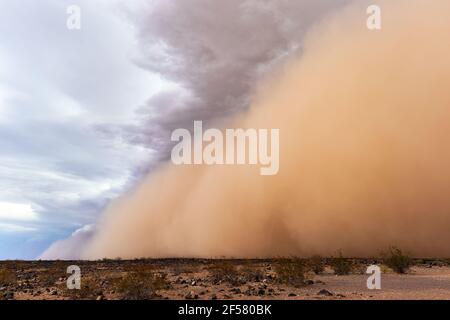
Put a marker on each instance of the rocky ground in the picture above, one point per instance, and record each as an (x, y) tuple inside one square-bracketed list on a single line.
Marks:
[(221, 279)]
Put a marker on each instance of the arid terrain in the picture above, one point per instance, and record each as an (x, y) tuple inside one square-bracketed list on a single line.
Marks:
[(314, 278)]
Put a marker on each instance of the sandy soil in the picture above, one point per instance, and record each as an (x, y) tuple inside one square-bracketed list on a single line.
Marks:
[(193, 279)]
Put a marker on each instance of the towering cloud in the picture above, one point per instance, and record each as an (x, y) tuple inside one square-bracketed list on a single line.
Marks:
[(213, 53), (364, 158)]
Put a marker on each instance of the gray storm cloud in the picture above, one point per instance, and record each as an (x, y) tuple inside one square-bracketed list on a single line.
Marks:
[(363, 119), (213, 52)]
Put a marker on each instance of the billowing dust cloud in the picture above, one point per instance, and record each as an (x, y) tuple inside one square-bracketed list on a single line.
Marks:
[(364, 119)]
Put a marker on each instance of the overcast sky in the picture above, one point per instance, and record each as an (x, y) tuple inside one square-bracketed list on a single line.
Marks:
[(59, 90)]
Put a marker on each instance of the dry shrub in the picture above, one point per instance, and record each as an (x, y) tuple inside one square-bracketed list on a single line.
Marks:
[(341, 265), (52, 273), (179, 268), (7, 277), (290, 271), (251, 273), (316, 264), (142, 284), (224, 272), (89, 290), (397, 260)]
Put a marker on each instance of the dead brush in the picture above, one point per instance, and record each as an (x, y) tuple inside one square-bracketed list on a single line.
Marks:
[(89, 290), (316, 264), (224, 272), (142, 284), (7, 277), (51, 275), (397, 260), (341, 265), (179, 269), (251, 273), (290, 271)]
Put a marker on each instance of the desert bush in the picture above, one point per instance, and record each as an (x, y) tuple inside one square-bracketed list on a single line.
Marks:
[(89, 290), (49, 276), (141, 284), (397, 260), (224, 272), (7, 277), (316, 264), (251, 273), (341, 265), (178, 269), (290, 271)]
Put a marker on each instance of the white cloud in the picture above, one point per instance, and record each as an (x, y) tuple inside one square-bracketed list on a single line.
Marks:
[(14, 228), (17, 211)]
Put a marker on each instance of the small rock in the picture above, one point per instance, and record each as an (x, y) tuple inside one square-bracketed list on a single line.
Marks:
[(319, 282), (100, 297), (213, 297), (191, 295), (324, 292), (309, 282), (292, 294), (54, 292), (8, 295), (261, 292)]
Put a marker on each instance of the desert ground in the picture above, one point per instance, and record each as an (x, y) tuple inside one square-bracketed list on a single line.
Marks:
[(293, 279)]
